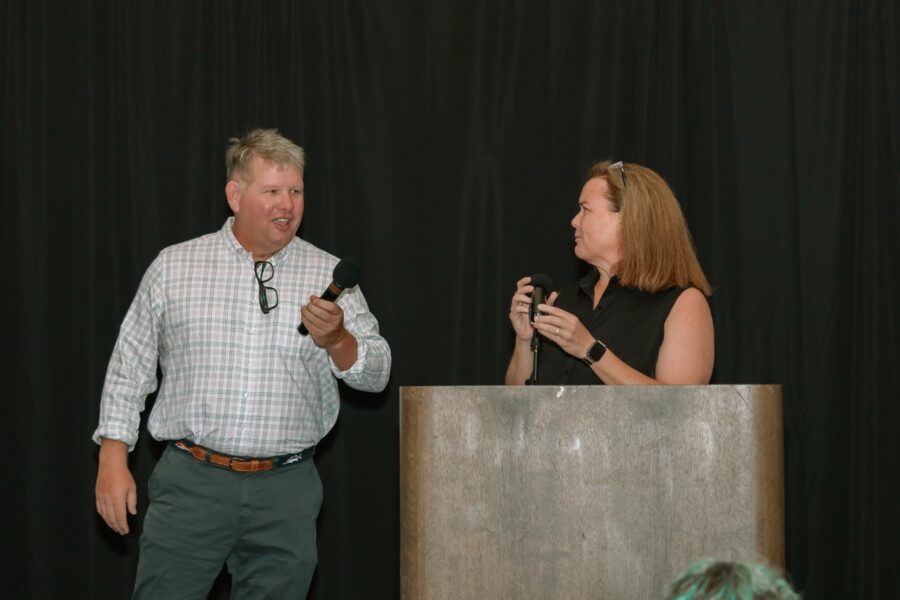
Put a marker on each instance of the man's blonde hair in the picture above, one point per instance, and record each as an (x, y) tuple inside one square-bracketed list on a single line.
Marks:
[(268, 144)]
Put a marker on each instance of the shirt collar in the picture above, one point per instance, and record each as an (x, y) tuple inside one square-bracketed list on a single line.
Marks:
[(232, 243), (587, 283)]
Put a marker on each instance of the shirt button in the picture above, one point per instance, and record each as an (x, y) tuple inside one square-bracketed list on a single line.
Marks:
[(245, 394)]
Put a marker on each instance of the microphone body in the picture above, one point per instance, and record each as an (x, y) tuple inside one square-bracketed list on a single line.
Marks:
[(537, 297), (345, 275), (541, 283), (332, 292)]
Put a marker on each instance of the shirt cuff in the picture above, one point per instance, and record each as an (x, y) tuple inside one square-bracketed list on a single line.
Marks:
[(357, 367), (100, 434)]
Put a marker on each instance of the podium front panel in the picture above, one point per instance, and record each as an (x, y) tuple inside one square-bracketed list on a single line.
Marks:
[(584, 491)]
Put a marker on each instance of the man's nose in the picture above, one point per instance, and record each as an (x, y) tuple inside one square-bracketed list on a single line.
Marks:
[(285, 200)]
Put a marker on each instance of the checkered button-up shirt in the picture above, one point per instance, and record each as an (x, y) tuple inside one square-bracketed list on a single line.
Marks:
[(234, 379)]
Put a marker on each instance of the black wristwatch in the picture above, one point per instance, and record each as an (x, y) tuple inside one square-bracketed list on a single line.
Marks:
[(594, 353)]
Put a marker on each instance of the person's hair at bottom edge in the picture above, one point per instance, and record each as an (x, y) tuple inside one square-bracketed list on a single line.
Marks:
[(711, 579)]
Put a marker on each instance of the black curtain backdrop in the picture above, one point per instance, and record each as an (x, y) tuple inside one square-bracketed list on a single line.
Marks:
[(446, 145)]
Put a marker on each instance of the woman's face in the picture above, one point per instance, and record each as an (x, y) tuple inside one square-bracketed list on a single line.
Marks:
[(597, 226)]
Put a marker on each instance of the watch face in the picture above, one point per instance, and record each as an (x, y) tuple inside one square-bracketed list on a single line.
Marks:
[(596, 351)]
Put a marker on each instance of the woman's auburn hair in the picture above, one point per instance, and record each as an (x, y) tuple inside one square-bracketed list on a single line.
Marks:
[(656, 249)]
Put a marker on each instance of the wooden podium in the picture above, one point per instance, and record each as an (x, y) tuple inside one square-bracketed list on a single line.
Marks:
[(584, 491)]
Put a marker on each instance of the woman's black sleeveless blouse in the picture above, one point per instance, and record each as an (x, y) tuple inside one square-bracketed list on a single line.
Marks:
[(630, 322)]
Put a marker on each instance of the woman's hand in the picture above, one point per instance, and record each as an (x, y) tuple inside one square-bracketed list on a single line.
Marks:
[(520, 363), (563, 328), (520, 309)]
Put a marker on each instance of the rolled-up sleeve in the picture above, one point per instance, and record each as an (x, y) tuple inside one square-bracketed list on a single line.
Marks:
[(131, 374), (372, 369)]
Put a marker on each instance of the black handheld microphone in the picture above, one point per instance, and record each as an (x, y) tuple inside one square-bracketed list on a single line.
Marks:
[(542, 283), (346, 275)]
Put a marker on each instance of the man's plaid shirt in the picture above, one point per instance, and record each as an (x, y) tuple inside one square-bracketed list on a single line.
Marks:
[(234, 379)]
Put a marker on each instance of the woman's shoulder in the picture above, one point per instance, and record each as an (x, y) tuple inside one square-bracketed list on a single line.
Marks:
[(690, 305), (690, 296)]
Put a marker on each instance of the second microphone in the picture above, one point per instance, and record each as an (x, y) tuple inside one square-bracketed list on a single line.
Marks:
[(346, 275)]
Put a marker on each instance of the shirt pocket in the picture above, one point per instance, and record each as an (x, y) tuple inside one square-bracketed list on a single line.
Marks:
[(290, 343)]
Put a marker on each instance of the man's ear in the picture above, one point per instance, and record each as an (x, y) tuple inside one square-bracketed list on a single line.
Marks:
[(233, 193)]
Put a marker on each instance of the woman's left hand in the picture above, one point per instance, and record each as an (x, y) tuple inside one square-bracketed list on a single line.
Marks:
[(565, 329)]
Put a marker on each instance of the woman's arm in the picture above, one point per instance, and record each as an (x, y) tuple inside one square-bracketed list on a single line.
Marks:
[(685, 357)]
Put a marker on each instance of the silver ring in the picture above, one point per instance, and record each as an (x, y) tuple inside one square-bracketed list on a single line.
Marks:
[(557, 331)]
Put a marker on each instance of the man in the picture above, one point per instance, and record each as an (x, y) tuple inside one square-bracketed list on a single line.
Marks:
[(244, 397)]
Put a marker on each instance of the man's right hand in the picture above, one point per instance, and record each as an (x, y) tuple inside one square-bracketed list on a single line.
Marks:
[(115, 488)]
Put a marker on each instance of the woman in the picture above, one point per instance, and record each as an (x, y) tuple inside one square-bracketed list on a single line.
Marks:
[(641, 315)]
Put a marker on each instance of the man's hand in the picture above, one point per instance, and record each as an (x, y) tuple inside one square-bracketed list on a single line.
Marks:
[(115, 489), (325, 322)]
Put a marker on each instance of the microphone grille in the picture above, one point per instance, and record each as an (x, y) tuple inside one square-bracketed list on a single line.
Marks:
[(542, 280), (346, 272)]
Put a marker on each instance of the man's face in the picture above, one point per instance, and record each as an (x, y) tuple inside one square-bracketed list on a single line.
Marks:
[(267, 208)]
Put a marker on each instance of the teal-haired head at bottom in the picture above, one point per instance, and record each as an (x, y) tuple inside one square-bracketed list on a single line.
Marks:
[(723, 580)]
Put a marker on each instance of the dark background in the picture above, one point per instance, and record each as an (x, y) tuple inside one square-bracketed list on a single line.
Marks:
[(446, 145)]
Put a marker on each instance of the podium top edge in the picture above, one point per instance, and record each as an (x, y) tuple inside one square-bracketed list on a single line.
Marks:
[(721, 386)]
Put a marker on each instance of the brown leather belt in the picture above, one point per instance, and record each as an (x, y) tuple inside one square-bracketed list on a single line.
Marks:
[(239, 463)]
